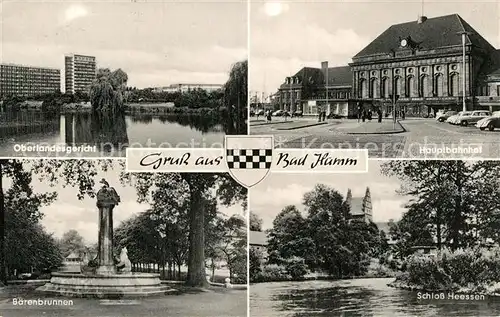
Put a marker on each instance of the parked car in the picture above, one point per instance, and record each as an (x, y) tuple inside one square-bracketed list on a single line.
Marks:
[(252, 113), (297, 114), (443, 116), (332, 115), (455, 119), (490, 123), (473, 117), (260, 112), (278, 113)]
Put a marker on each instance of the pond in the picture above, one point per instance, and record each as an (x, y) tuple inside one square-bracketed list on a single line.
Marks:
[(106, 135), (357, 297)]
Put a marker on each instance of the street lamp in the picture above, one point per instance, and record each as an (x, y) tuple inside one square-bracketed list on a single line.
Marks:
[(464, 36)]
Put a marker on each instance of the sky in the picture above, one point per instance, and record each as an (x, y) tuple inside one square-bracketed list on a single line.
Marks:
[(286, 36), (268, 198), (157, 43), (67, 212)]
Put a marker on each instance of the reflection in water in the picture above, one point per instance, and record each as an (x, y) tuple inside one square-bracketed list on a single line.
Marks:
[(107, 131), (202, 123), (357, 297), (117, 133)]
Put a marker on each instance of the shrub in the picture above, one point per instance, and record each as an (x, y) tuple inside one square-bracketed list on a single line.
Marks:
[(473, 268), (296, 268), (272, 273)]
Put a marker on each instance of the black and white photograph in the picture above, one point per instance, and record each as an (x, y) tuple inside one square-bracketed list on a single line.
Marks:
[(403, 79), (92, 78), (86, 238), (408, 238)]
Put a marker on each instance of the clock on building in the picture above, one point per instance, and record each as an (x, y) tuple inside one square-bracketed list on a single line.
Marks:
[(404, 42)]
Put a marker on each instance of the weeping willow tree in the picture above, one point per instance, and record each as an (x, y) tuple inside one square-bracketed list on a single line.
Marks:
[(106, 92), (235, 98)]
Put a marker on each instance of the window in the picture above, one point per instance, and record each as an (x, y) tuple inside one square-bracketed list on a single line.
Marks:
[(410, 86), (424, 86), (363, 89), (453, 85), (438, 87), (397, 86), (371, 92)]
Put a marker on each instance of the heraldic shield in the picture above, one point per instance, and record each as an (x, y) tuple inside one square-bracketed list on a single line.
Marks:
[(249, 158)]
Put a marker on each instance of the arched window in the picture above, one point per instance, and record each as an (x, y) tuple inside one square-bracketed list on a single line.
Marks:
[(454, 84), (397, 86), (438, 85), (424, 86), (373, 88), (410, 86), (363, 89), (385, 88)]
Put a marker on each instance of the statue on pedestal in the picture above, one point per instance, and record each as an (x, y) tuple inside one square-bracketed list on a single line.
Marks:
[(124, 266), (107, 199)]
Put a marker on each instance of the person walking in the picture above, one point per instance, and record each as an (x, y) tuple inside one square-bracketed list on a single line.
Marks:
[(379, 113)]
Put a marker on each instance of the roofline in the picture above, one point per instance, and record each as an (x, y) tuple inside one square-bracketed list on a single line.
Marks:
[(73, 55), (29, 66)]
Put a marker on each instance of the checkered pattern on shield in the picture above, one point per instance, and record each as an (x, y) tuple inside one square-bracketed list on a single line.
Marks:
[(249, 159)]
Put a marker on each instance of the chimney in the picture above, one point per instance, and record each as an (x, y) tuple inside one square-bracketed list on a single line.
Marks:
[(421, 19)]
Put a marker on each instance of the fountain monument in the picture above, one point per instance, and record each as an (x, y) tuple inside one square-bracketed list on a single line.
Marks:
[(106, 280)]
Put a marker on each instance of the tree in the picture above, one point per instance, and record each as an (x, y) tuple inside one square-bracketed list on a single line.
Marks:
[(255, 222), (235, 98), (196, 190), (455, 200), (75, 173), (229, 243), (106, 92), (72, 241), (327, 239), (255, 259), (288, 237)]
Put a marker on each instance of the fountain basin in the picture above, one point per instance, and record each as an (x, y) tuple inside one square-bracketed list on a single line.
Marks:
[(105, 285)]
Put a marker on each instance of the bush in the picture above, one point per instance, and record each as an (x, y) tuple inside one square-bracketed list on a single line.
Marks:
[(472, 268), (296, 268), (272, 273)]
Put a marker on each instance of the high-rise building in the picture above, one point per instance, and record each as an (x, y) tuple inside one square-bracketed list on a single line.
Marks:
[(27, 81), (80, 72)]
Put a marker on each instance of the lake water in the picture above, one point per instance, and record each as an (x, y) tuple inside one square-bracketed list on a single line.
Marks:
[(111, 136), (357, 297)]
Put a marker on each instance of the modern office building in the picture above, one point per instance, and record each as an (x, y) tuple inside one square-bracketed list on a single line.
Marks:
[(80, 71), (28, 81), (188, 87)]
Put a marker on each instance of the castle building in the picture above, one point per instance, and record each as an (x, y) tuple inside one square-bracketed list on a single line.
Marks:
[(360, 208)]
